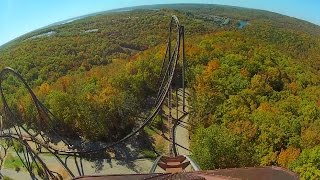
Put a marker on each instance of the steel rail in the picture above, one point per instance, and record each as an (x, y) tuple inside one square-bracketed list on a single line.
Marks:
[(29, 149), (163, 91), (167, 73), (175, 20)]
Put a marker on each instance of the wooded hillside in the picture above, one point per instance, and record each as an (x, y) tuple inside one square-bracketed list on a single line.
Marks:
[(253, 77)]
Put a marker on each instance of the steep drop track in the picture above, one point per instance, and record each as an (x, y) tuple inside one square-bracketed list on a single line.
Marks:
[(16, 132)]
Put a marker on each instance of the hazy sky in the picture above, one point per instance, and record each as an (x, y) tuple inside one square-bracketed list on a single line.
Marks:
[(18, 17)]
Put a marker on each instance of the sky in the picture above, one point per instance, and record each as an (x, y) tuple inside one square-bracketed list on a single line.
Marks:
[(18, 17)]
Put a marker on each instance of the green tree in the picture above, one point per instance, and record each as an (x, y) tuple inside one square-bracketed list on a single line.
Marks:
[(217, 147)]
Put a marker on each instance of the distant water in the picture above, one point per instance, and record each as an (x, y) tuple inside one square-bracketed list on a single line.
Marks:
[(47, 34), (122, 10), (70, 20), (129, 9), (242, 24), (91, 30)]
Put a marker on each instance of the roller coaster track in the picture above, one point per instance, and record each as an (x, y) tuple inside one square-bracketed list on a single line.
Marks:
[(21, 135)]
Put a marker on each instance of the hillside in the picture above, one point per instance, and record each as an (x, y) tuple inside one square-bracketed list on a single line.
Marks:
[(253, 76)]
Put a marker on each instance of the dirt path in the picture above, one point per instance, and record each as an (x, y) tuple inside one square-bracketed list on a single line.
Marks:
[(16, 175), (182, 133), (103, 166), (127, 159), (182, 137), (124, 162)]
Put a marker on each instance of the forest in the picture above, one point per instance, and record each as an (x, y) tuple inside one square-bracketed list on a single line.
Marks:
[(255, 90)]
